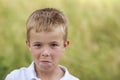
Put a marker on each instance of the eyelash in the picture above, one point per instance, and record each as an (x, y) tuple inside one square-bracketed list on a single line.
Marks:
[(53, 45), (37, 45)]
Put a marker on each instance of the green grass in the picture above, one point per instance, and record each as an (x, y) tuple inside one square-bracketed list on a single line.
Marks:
[(94, 32)]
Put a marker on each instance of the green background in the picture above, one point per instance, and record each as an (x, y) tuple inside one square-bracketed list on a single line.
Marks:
[(94, 32)]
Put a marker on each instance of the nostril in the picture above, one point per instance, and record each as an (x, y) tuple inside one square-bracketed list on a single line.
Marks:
[(45, 53)]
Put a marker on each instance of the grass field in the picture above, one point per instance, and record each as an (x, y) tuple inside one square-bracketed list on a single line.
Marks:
[(94, 32)]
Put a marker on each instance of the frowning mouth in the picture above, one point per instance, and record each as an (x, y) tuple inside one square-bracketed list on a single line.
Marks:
[(45, 61)]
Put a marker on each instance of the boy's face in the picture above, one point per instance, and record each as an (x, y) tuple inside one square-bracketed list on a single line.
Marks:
[(46, 49)]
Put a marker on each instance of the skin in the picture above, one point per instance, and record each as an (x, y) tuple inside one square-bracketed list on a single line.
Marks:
[(46, 49)]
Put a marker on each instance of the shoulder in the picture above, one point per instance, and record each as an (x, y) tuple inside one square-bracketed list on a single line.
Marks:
[(67, 75), (71, 77), (16, 74), (22, 73)]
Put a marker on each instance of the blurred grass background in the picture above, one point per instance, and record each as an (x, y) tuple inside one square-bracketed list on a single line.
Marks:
[(94, 32)]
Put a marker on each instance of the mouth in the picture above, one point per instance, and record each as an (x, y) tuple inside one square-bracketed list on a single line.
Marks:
[(45, 61)]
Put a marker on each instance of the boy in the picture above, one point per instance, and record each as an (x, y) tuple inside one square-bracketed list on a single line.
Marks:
[(46, 40)]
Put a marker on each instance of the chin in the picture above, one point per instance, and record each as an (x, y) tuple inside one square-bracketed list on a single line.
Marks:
[(46, 67)]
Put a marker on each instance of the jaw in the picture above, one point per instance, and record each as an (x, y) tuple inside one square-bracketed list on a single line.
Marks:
[(45, 67)]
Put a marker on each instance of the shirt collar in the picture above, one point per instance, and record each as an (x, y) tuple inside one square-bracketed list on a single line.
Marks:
[(32, 73), (66, 72)]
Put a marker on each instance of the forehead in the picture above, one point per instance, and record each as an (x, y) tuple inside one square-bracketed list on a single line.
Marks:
[(55, 35)]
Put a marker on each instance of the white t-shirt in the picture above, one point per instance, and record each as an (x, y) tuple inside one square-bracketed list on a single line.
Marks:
[(30, 74)]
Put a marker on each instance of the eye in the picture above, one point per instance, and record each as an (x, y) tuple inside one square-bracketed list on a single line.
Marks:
[(53, 45), (37, 45)]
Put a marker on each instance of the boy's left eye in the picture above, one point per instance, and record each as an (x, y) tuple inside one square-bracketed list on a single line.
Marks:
[(54, 45)]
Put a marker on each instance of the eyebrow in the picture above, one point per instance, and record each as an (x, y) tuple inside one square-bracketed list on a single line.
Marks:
[(36, 42), (54, 42), (48, 42)]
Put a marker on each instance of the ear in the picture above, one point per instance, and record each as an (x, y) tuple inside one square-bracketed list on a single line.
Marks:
[(28, 44), (66, 43)]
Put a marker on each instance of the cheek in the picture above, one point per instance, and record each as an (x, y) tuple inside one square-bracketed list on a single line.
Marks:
[(35, 54), (57, 54)]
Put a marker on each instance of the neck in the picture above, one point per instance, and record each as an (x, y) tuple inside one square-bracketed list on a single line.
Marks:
[(55, 74)]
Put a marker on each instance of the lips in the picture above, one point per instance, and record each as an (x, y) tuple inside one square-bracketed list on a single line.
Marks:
[(45, 61)]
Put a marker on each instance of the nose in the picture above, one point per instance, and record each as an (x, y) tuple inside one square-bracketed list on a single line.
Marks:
[(45, 52)]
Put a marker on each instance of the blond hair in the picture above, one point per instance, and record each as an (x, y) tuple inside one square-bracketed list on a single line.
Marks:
[(47, 19)]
